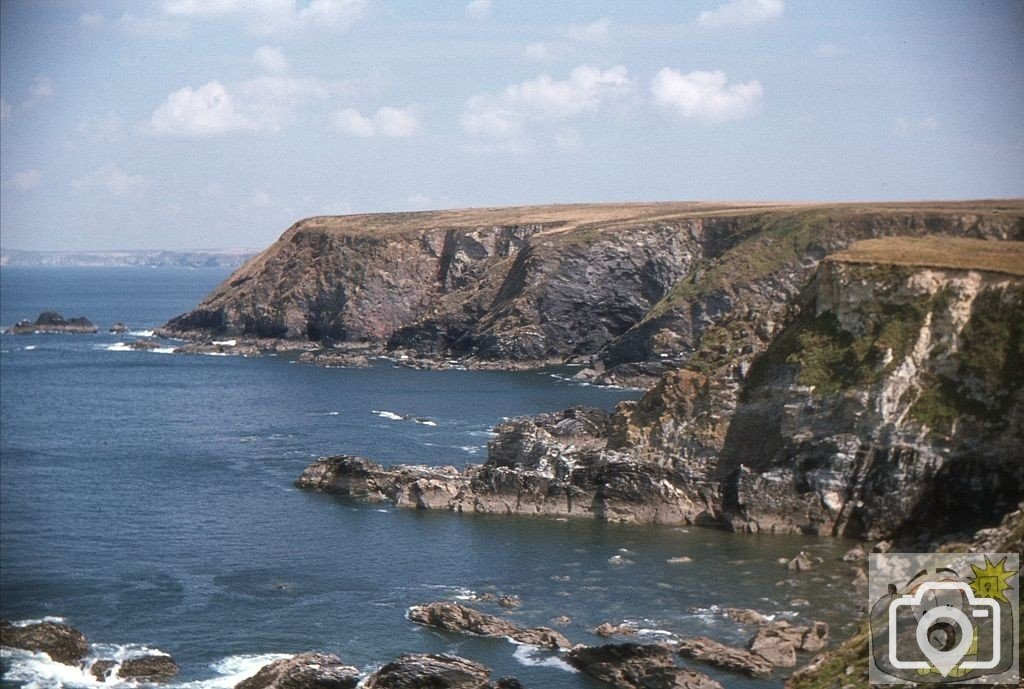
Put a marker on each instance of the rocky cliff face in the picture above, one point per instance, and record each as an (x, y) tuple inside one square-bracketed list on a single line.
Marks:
[(891, 402), (633, 289)]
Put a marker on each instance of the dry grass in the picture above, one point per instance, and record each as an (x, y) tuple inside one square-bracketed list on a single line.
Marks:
[(938, 252), (562, 218)]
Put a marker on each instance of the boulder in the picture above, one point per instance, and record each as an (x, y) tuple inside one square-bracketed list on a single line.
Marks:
[(304, 671), (118, 328), (800, 563), (101, 669), (609, 629), (746, 616), (62, 643), (778, 642), (436, 671), (726, 657), (453, 617), (636, 666), (150, 666)]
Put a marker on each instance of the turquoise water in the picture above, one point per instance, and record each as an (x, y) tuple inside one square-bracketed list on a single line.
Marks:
[(146, 498)]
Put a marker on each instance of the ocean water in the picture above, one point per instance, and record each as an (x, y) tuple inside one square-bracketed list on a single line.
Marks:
[(146, 498)]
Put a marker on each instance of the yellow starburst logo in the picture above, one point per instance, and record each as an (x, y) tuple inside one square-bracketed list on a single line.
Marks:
[(992, 580)]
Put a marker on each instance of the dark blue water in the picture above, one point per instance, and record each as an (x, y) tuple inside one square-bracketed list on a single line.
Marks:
[(146, 498)]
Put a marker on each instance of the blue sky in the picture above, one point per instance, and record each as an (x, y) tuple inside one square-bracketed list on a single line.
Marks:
[(218, 123)]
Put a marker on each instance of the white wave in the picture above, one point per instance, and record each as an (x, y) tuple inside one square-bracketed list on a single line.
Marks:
[(225, 343), (216, 354), (531, 656), (325, 413), (117, 347), (425, 422), (233, 669), (163, 350), (27, 623), (29, 348), (141, 333), (653, 632), (470, 449), (388, 415)]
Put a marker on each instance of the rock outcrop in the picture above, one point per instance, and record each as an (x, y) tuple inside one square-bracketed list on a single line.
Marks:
[(453, 617), (890, 402), (304, 671), (632, 289), (726, 657), (417, 670), (148, 667), (636, 666), (64, 644), (53, 322)]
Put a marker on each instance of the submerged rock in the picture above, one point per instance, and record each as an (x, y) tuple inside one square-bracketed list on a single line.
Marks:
[(609, 629), (304, 671), (458, 618), (637, 666), (419, 671), (63, 643)]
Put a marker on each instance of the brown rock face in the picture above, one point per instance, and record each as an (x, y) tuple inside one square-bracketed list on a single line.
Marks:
[(778, 642), (728, 658), (304, 671), (440, 671), (62, 643), (458, 618)]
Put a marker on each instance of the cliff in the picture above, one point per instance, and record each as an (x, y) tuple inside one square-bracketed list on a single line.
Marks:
[(632, 289), (889, 403)]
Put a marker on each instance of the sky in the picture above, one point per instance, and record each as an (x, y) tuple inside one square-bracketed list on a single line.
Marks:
[(177, 124)]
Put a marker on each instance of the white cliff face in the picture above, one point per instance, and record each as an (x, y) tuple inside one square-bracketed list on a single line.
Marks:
[(876, 408)]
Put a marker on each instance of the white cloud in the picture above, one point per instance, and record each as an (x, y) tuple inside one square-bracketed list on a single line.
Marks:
[(5, 110), (206, 111), (828, 50), (152, 27), (270, 60), (706, 96), (25, 180), (101, 127), (112, 179), (265, 17), (387, 121), (568, 139), (595, 32), (91, 20), (40, 90), (543, 100), (904, 126), (742, 13), (214, 189), (266, 103), (423, 202), (480, 9)]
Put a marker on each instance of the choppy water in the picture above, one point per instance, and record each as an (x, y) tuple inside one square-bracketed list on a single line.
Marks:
[(146, 498)]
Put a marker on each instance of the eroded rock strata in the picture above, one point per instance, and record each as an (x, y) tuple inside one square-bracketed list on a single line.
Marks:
[(890, 401)]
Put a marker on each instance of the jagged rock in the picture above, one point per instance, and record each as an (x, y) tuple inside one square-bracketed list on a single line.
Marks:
[(855, 554), (101, 669), (561, 621), (636, 666), (778, 642), (304, 671), (416, 671), (746, 616), (800, 563), (152, 666), (508, 683), (609, 629), (146, 345), (64, 644), (53, 322), (458, 618), (118, 328), (726, 657), (509, 601)]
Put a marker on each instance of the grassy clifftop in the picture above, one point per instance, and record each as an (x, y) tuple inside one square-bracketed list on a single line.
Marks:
[(935, 252)]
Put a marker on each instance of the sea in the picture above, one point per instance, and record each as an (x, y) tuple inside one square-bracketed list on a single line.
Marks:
[(146, 499)]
